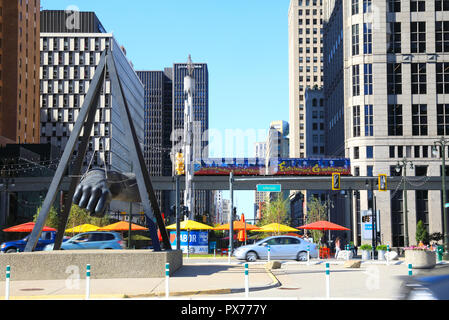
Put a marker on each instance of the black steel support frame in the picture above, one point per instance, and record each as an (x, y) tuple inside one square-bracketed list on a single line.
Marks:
[(87, 112)]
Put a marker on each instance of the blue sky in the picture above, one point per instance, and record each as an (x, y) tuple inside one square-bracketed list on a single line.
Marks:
[(244, 43)]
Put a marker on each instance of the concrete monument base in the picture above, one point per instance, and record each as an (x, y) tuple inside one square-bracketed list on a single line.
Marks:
[(105, 264)]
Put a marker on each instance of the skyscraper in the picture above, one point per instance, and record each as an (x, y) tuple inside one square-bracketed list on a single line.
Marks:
[(305, 66), (158, 127), (68, 62), (395, 103), (19, 71)]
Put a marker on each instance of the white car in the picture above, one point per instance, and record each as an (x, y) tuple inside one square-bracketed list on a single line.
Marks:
[(281, 247)]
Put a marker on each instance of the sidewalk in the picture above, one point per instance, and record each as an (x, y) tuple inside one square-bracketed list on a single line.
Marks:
[(192, 279)]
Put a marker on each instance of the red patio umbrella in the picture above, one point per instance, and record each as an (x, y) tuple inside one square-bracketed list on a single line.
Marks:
[(26, 227), (323, 225)]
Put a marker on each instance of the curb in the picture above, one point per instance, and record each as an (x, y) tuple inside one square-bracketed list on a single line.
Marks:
[(275, 283)]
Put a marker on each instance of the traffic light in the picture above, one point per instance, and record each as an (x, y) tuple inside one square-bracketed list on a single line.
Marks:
[(180, 166), (336, 185), (366, 219), (382, 182)]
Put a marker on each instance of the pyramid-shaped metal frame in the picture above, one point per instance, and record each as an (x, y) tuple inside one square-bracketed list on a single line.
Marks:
[(85, 120)]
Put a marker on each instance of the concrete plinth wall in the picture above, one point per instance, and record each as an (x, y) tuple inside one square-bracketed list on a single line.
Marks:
[(105, 264)]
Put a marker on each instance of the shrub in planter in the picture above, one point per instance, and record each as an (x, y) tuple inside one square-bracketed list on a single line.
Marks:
[(366, 251), (381, 249)]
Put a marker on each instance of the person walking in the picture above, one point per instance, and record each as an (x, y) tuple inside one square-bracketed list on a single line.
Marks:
[(337, 246)]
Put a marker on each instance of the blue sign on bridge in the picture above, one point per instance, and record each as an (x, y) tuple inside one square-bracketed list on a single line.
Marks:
[(269, 188)]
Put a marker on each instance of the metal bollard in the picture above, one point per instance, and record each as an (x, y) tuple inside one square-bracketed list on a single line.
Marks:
[(410, 272), (8, 276), (269, 253), (229, 255), (308, 254), (246, 280), (167, 280), (328, 286), (387, 255), (88, 282)]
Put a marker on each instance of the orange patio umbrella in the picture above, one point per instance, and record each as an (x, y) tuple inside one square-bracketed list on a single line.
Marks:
[(242, 235), (122, 226)]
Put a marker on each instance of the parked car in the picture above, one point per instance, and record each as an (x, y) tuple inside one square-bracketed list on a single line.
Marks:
[(92, 240), (46, 238), (281, 247)]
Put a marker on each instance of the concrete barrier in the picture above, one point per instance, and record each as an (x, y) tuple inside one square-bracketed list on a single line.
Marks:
[(105, 264)]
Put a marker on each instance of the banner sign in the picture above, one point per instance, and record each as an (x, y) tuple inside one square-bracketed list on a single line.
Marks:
[(199, 241)]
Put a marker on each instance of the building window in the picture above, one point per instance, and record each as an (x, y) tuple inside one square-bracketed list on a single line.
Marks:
[(367, 6), (367, 38), (418, 37), (394, 5), (419, 119), (442, 5), (369, 152), (392, 152), (369, 171), (369, 123), (368, 78), (443, 119), (356, 121), (442, 36), (397, 219), (442, 77), (417, 5), (356, 152), (394, 78), (395, 120), (356, 80), (394, 38), (419, 78), (355, 39), (355, 7)]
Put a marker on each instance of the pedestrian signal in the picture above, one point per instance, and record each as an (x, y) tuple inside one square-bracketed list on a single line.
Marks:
[(382, 182), (336, 181)]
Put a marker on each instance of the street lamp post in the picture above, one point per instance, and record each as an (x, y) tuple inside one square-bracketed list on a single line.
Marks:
[(403, 165), (442, 143)]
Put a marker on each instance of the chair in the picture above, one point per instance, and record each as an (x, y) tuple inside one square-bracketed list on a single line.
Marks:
[(325, 253)]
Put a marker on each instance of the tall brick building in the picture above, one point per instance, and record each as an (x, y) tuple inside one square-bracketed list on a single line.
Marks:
[(19, 71)]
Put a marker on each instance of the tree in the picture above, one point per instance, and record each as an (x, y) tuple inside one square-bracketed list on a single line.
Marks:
[(275, 211), (421, 233), (77, 217), (316, 211)]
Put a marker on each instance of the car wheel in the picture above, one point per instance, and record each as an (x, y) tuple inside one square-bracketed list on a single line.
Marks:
[(251, 256), (11, 250), (302, 256)]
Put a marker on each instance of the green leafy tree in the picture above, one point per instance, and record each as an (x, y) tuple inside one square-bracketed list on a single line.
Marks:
[(77, 217), (421, 233), (275, 211), (316, 211)]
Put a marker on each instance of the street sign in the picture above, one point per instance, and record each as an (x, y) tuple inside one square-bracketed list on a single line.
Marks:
[(269, 188)]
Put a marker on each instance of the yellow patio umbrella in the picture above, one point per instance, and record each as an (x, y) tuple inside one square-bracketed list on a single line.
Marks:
[(122, 226), (191, 225), (82, 228), (276, 227)]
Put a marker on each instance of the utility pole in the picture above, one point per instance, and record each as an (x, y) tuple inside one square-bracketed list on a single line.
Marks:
[(443, 143), (189, 89)]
